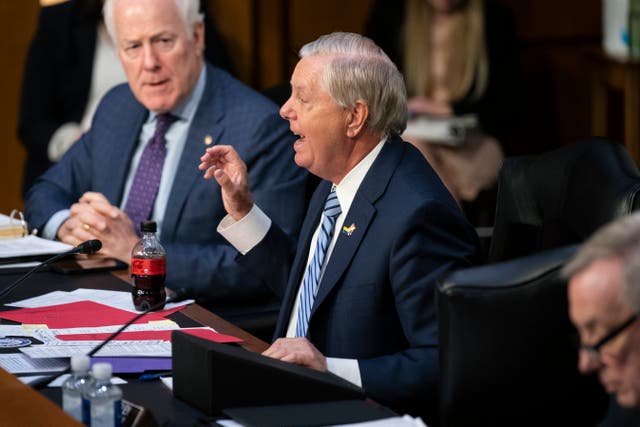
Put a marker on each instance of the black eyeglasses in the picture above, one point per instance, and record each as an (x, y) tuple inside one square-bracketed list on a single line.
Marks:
[(594, 350)]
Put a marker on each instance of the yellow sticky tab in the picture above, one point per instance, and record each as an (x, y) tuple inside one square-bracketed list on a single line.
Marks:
[(33, 327), (162, 322)]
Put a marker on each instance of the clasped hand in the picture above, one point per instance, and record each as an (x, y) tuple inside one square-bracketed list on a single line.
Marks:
[(93, 217)]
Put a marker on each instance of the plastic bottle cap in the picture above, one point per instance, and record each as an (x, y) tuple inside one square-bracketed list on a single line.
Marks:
[(102, 371), (148, 226), (80, 362)]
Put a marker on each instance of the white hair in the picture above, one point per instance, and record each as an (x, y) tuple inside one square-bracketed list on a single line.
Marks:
[(360, 70), (620, 240), (189, 12)]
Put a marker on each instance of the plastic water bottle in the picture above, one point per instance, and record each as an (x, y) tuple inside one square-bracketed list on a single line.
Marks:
[(148, 269), (73, 388), (104, 399)]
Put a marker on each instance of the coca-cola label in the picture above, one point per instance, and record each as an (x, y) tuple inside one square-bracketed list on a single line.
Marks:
[(144, 266)]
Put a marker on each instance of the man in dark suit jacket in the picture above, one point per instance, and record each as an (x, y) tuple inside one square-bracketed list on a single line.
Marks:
[(373, 317), (161, 52), (58, 77)]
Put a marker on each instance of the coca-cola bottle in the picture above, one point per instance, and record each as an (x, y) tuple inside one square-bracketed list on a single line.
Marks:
[(148, 269)]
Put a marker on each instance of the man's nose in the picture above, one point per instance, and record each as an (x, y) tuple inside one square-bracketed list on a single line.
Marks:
[(150, 58), (586, 363), (285, 111)]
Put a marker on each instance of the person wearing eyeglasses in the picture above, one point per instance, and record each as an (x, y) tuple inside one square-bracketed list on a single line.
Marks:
[(604, 303)]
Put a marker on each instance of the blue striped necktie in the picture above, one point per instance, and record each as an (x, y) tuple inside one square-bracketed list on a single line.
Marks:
[(312, 275)]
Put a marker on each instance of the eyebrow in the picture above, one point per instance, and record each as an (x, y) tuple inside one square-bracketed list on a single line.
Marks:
[(155, 36), (299, 88)]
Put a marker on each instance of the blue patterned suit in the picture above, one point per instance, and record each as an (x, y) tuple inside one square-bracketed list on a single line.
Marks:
[(375, 302), (197, 256)]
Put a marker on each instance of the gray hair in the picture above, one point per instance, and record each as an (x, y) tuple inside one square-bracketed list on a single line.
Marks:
[(189, 12), (620, 240), (360, 70)]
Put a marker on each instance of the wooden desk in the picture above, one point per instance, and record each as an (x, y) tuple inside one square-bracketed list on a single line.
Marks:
[(621, 74), (21, 402), (153, 395)]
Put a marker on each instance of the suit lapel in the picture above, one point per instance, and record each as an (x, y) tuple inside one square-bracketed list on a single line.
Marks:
[(206, 122), (309, 226), (123, 139), (361, 214)]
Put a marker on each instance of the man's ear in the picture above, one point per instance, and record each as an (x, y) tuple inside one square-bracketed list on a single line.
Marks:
[(198, 37), (356, 118)]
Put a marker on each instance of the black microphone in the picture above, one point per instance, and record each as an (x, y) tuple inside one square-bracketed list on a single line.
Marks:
[(178, 296), (88, 247)]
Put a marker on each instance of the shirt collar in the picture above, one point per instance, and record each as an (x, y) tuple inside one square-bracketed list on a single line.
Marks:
[(187, 109), (346, 190)]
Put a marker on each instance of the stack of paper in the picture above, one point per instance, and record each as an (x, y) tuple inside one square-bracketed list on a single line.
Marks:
[(76, 323), (29, 249)]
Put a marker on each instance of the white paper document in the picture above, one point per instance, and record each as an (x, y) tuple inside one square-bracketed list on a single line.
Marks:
[(405, 421), (31, 245), (441, 130), (149, 348), (116, 299), (29, 264), (164, 326), (18, 363)]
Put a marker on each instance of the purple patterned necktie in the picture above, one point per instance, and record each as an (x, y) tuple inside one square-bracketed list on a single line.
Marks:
[(147, 178)]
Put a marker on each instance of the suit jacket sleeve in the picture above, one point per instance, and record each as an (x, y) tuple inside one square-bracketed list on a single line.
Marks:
[(62, 185), (435, 240), (271, 259)]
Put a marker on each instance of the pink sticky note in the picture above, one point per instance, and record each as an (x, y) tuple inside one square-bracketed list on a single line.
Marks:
[(76, 315), (212, 335)]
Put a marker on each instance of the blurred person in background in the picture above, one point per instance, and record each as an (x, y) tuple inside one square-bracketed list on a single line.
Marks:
[(459, 60)]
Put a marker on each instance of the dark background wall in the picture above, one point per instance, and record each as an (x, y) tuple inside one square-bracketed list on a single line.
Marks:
[(263, 37)]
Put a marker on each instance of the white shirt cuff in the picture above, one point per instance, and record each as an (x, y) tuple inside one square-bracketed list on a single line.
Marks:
[(62, 139), (51, 227), (345, 368), (245, 234)]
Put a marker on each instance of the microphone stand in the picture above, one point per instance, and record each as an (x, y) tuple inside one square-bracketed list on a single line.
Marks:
[(178, 296)]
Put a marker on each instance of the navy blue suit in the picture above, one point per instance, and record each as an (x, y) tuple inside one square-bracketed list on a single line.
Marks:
[(375, 302), (197, 256)]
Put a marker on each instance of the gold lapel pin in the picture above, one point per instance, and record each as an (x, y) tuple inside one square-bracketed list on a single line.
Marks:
[(348, 230), (208, 140)]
